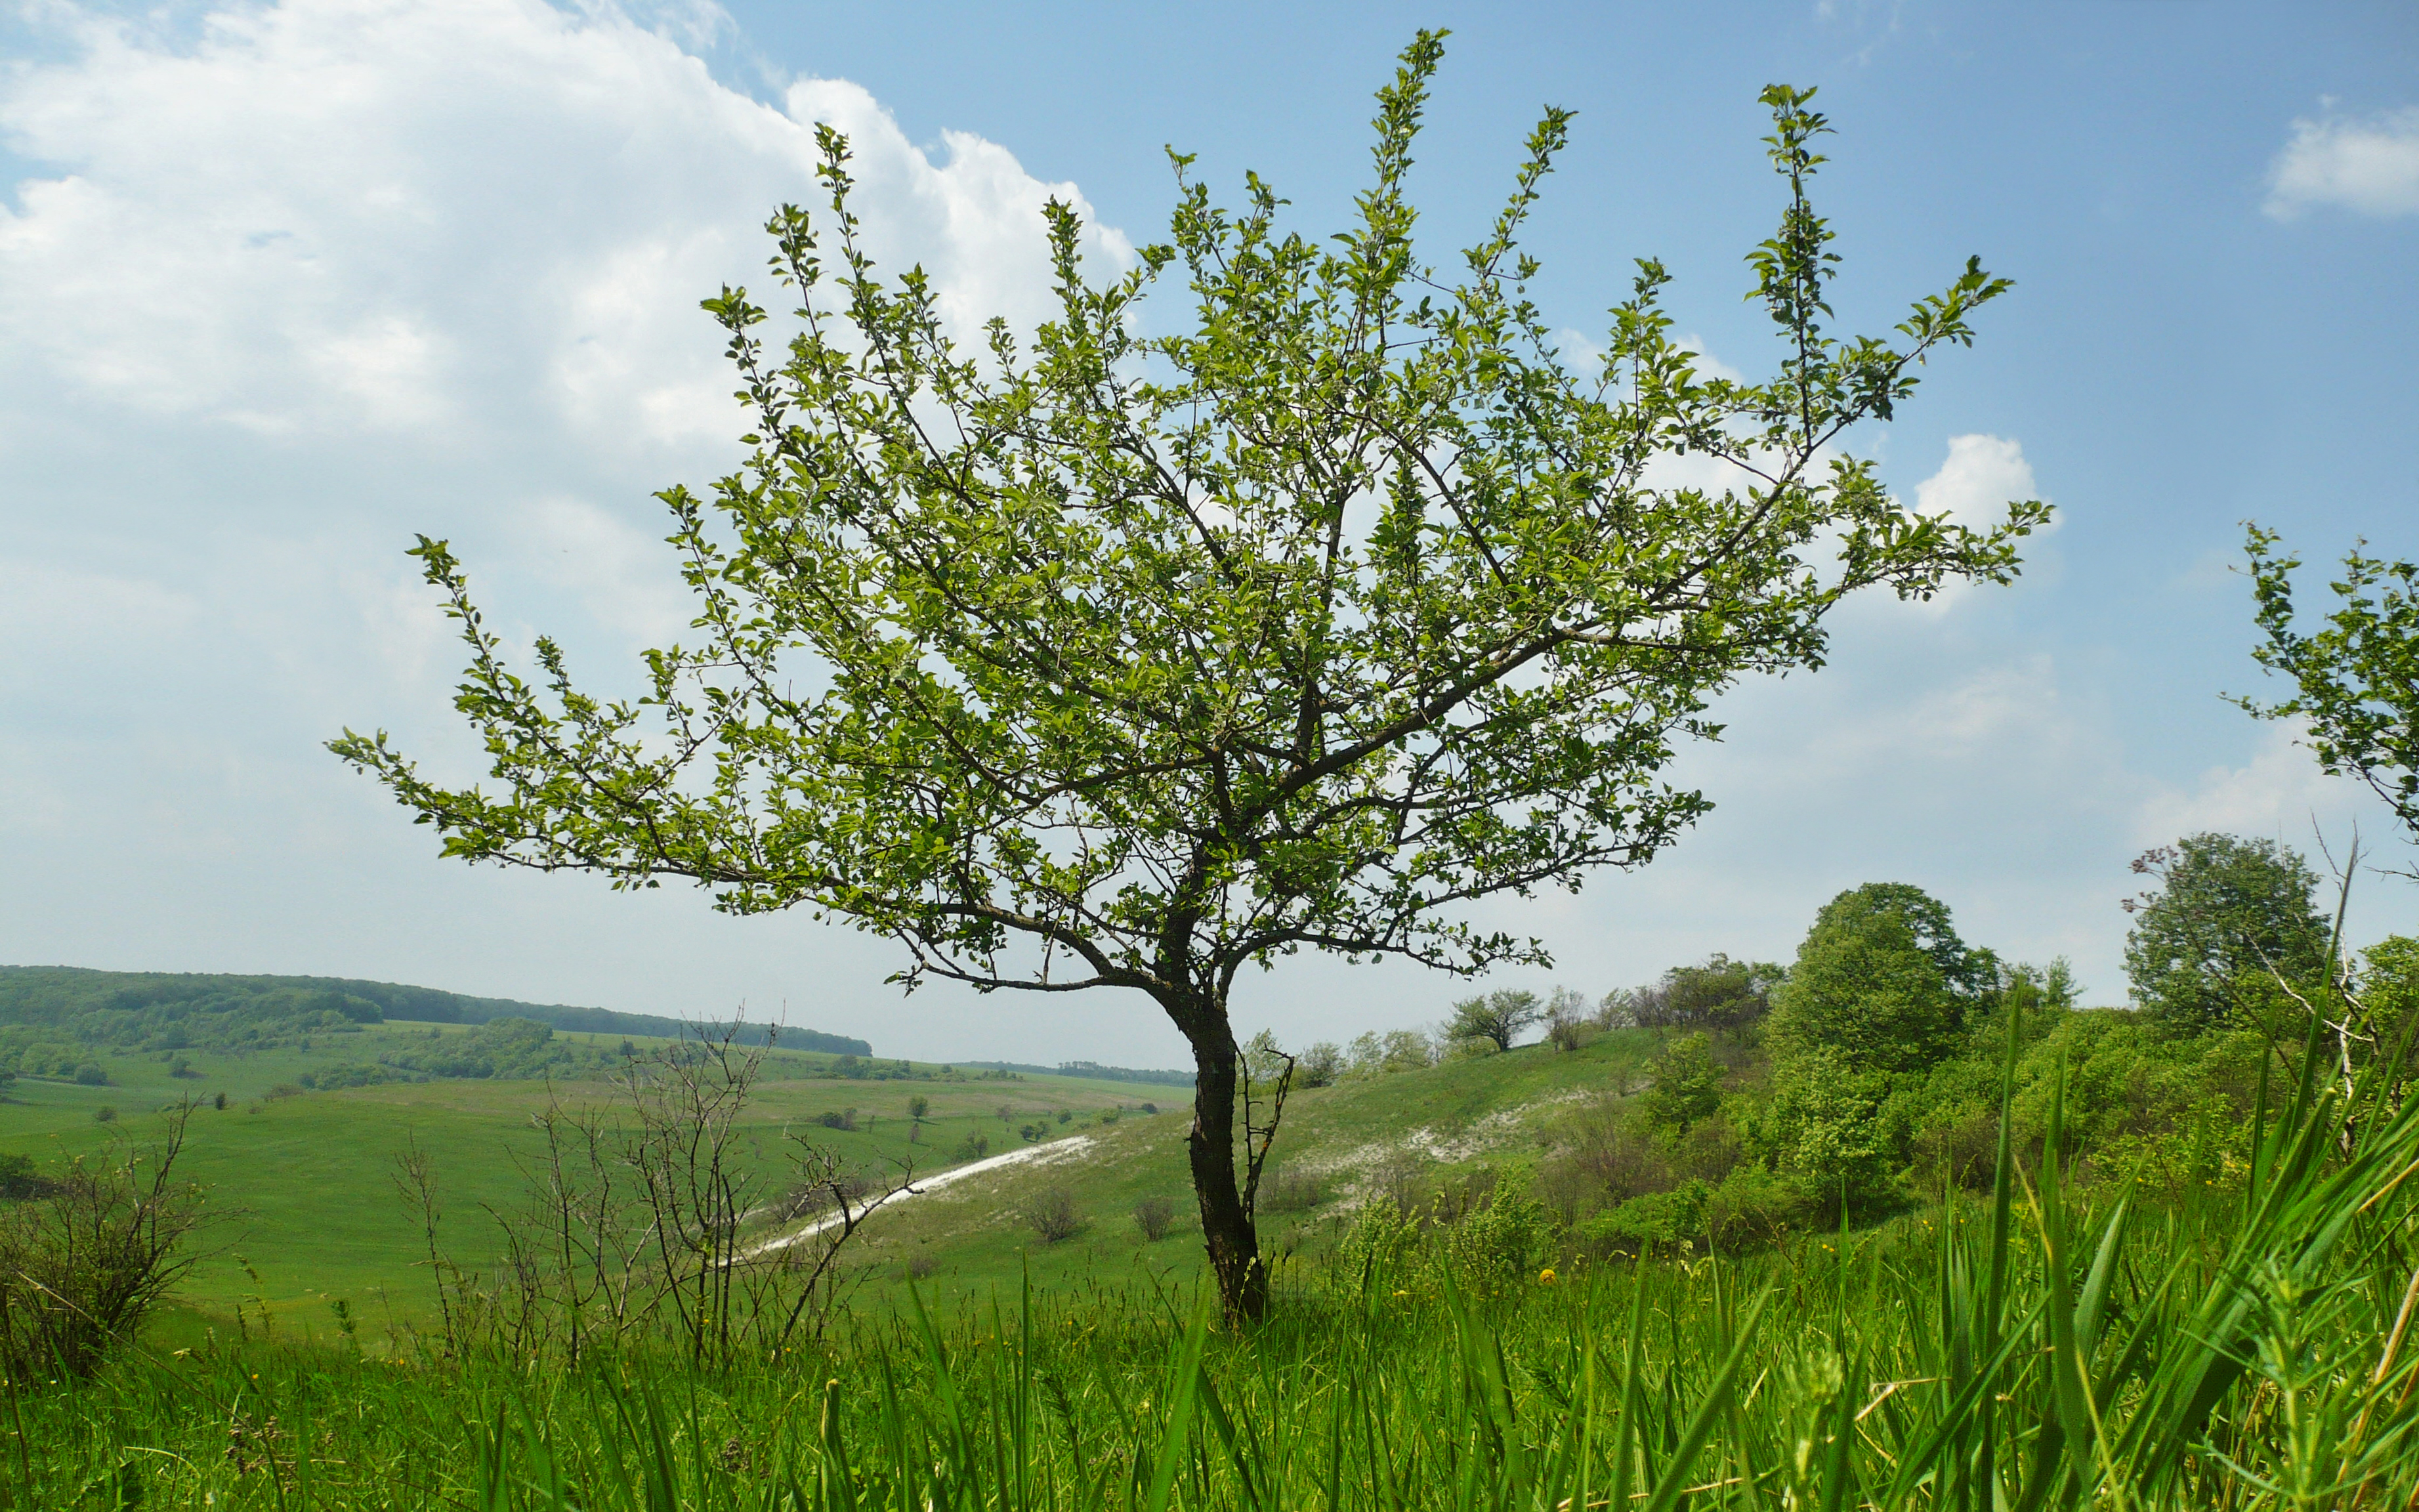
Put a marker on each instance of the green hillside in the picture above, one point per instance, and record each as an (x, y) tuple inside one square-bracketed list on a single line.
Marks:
[(51, 1010), (303, 1178)]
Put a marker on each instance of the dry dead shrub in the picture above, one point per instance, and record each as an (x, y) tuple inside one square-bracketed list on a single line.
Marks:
[(1054, 1215), (1154, 1216)]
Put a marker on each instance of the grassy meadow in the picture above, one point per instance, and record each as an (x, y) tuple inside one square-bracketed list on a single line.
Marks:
[(304, 1181), (2069, 1333), (2041, 1346)]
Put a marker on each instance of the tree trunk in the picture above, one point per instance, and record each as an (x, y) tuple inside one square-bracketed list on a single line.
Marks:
[(1226, 1227)]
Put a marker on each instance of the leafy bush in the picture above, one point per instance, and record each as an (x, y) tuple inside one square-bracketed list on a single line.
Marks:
[(1655, 1219), (91, 1074), (973, 1146), (1684, 1085), (1755, 1208), (1496, 1249), (1378, 1247), (19, 1179), (337, 1078), (84, 1261)]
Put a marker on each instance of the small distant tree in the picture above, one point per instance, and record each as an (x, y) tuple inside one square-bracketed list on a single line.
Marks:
[(1498, 1018), (1566, 1017), (916, 1107), (1684, 1085), (1321, 1065), (1159, 649), (2356, 677), (2230, 924), (1722, 994)]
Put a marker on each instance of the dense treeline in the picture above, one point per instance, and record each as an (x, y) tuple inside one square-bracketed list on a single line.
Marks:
[(52, 1019), (1864, 1077)]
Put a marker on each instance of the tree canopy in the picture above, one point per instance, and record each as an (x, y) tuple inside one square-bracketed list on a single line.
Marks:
[(2356, 677), (1499, 1018), (1151, 650), (2230, 923), (1881, 980)]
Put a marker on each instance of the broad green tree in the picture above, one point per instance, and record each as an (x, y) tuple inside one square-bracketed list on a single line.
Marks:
[(2228, 928), (1881, 980), (1499, 1018), (2355, 676), (1159, 646)]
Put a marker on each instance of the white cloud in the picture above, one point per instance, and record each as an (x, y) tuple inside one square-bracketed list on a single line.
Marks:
[(2280, 793), (279, 286), (332, 216), (2370, 167), (1976, 482), (1981, 476)]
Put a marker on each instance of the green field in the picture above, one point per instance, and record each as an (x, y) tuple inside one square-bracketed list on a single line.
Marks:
[(2041, 1346), (303, 1182)]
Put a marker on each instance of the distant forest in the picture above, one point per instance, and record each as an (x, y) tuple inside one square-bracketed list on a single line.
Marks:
[(1089, 1068), (165, 1010)]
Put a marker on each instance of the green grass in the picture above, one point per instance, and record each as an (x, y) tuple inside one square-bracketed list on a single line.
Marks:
[(2046, 1346), (969, 1240), (309, 1214), (304, 1184)]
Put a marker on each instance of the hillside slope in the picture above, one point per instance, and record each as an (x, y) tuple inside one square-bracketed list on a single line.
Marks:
[(1338, 1147), (175, 1010)]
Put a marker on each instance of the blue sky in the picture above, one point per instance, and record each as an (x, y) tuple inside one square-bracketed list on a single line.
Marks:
[(281, 285)]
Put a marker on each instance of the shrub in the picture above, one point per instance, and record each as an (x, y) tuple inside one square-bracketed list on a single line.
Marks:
[(1321, 1065), (1658, 1218), (337, 1078), (1493, 1251), (89, 1074), (1378, 1247), (19, 1179), (1684, 1085), (104, 1114), (844, 1118), (1755, 1207), (82, 1262), (1154, 1216), (1054, 1215), (973, 1146), (1288, 1190)]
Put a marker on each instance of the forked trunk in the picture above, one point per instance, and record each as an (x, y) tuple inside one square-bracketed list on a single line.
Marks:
[(1226, 1224)]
